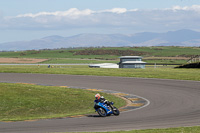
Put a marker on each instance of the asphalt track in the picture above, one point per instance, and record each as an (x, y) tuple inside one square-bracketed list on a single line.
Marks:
[(173, 103)]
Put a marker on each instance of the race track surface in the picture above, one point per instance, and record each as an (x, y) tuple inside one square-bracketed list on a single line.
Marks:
[(173, 103)]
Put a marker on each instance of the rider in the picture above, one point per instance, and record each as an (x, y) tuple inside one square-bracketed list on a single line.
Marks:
[(101, 99)]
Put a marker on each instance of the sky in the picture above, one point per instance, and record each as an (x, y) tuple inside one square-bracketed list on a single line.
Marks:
[(23, 20)]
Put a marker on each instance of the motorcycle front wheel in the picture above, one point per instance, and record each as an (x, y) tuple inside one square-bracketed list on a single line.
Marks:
[(116, 111), (101, 112)]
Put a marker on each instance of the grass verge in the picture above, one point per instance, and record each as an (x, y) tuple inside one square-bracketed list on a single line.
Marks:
[(27, 102), (161, 73), (195, 129)]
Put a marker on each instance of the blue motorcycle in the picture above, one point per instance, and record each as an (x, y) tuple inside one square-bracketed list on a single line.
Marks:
[(104, 109)]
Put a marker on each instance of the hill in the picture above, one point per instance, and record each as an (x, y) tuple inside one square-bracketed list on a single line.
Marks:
[(183, 37)]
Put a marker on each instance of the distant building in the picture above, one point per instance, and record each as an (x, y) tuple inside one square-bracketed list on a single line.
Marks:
[(131, 62), (125, 62)]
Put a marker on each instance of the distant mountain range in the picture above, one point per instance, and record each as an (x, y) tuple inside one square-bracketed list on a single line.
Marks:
[(172, 38)]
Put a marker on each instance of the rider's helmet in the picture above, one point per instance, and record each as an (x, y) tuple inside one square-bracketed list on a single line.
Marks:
[(97, 96)]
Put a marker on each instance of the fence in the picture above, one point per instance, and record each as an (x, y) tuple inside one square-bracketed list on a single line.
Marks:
[(193, 59)]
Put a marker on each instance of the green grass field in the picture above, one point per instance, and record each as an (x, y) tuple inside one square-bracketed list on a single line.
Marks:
[(109, 54), (28, 102), (149, 72)]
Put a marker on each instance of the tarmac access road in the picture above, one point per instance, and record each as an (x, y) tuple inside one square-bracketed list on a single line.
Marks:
[(173, 103)]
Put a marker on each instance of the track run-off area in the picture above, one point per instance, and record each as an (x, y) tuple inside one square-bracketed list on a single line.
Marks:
[(173, 103)]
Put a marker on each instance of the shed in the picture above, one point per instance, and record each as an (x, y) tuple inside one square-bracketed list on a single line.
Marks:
[(131, 62)]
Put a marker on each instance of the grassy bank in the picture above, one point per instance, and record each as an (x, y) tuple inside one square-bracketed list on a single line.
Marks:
[(161, 73), (27, 102), (105, 53), (195, 129)]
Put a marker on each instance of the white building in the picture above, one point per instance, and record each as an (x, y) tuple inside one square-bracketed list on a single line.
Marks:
[(125, 62), (131, 62)]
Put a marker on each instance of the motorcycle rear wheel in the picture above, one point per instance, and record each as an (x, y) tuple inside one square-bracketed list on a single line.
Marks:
[(101, 112)]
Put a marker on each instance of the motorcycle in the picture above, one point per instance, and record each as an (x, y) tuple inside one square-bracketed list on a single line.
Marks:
[(104, 109)]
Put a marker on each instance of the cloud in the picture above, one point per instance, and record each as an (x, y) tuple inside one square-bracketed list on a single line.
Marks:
[(186, 8), (115, 10), (174, 18), (73, 12)]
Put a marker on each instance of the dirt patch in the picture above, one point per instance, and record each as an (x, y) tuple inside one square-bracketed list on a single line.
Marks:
[(21, 60)]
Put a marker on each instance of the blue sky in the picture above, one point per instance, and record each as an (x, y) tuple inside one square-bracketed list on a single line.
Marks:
[(32, 19)]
